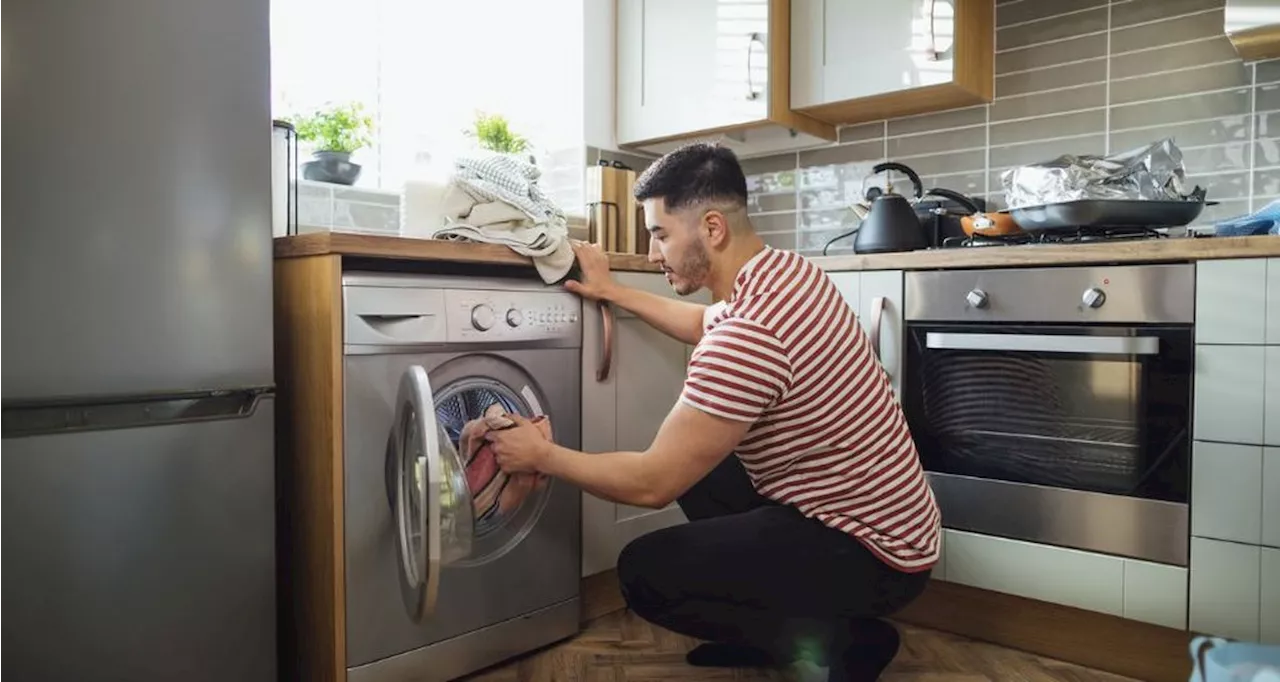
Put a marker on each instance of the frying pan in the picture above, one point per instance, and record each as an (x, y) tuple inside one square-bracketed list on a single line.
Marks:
[(979, 223)]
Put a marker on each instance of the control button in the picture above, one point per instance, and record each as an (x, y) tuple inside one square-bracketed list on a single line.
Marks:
[(514, 318), (482, 317), (1094, 298), (573, 318), (976, 298)]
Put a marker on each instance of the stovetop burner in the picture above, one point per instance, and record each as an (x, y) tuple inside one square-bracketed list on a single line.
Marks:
[(1082, 235)]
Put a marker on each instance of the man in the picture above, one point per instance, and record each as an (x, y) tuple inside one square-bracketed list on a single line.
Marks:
[(810, 516)]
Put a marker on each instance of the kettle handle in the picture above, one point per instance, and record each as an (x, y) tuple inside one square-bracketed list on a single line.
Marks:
[(905, 170), (965, 202)]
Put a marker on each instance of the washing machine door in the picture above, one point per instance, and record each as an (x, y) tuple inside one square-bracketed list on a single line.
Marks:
[(432, 503)]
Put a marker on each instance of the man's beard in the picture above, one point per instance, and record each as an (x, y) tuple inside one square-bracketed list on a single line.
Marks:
[(694, 270)]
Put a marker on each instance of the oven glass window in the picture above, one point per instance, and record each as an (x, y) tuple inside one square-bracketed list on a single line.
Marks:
[(1066, 407)]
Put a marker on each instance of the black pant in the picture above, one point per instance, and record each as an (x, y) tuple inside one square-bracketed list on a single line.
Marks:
[(746, 570)]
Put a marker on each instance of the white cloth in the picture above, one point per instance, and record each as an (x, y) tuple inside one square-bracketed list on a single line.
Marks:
[(496, 199)]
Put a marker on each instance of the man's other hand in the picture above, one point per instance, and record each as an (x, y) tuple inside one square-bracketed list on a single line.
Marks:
[(597, 283)]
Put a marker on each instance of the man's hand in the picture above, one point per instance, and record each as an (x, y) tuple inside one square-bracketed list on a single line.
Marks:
[(520, 448), (596, 282)]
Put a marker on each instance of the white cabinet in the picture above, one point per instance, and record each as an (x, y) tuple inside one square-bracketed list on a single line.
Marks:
[(1137, 590), (1226, 492), (1230, 391), (860, 60), (692, 68), (1273, 300), (877, 295), (1231, 301), (1271, 497), (623, 412), (1226, 580), (1269, 620)]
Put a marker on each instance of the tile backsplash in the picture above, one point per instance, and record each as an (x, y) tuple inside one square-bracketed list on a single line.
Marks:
[(1076, 76)]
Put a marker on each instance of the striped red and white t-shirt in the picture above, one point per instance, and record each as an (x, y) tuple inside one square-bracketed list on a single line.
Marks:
[(829, 437)]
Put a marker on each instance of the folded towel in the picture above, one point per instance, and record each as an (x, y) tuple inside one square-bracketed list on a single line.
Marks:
[(494, 493), (496, 199), (1265, 220)]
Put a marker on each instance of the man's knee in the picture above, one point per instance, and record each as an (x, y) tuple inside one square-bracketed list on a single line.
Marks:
[(640, 573)]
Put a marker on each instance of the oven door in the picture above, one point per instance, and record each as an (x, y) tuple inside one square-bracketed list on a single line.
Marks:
[(1070, 435)]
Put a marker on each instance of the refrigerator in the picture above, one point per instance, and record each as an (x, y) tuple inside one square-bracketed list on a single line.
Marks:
[(137, 460)]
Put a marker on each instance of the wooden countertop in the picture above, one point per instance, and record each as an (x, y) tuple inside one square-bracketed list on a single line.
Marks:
[(411, 249), (1140, 251)]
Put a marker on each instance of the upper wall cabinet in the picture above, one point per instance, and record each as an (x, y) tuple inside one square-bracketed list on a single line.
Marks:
[(718, 69), (864, 60)]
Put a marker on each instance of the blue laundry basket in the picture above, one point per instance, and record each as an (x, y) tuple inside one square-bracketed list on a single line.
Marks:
[(1218, 660)]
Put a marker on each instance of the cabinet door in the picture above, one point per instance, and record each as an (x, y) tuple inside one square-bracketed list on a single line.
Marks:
[(886, 287), (1271, 396), (849, 284), (1273, 300), (686, 66), (1270, 591), (874, 48), (1226, 492), (624, 412), (1231, 301), (1225, 588), (1271, 497), (1230, 393)]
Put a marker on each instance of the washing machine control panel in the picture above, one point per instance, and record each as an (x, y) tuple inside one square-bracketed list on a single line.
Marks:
[(504, 316)]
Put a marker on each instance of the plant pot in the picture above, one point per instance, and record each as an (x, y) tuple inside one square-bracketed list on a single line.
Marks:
[(333, 167)]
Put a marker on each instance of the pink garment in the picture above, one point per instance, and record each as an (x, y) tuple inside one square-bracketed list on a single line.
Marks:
[(492, 491)]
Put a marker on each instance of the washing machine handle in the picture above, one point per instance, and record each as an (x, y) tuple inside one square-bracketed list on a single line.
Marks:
[(606, 351)]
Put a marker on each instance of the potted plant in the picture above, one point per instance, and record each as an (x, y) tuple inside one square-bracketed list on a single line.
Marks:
[(334, 131), (492, 132)]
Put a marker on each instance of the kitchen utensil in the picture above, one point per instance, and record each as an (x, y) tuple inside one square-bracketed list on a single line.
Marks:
[(976, 221), (284, 179), (1087, 213), (891, 223)]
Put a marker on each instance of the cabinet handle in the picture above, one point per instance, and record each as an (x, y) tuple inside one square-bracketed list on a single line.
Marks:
[(877, 312), (606, 352), (752, 39)]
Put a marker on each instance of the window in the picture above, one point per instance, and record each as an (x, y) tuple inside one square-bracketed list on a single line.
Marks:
[(423, 68)]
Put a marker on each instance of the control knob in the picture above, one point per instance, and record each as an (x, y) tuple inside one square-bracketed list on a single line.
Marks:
[(976, 298), (1094, 298), (482, 317), (514, 318)]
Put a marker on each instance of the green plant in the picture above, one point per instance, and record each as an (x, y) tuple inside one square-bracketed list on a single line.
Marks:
[(336, 128), (493, 133)]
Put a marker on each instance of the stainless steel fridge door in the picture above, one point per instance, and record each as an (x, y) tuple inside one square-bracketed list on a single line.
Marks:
[(142, 553), (137, 220)]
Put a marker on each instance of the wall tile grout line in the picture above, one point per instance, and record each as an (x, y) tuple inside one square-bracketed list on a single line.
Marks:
[(1051, 17), (1106, 98), (1052, 41), (1253, 128)]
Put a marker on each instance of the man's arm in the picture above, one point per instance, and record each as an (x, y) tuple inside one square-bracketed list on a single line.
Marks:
[(689, 444)]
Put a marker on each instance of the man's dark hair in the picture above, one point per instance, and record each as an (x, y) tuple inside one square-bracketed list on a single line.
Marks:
[(694, 173)]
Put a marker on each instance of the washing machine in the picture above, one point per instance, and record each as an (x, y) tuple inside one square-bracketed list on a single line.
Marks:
[(452, 566)]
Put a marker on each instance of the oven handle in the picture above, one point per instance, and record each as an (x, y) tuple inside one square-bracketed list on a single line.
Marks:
[(1045, 343)]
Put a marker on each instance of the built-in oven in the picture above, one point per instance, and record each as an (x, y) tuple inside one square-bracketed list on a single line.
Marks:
[(1054, 404)]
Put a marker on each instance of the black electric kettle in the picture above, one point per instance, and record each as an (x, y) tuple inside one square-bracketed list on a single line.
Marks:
[(891, 224)]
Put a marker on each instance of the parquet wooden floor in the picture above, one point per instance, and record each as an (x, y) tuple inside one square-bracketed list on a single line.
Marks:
[(621, 647)]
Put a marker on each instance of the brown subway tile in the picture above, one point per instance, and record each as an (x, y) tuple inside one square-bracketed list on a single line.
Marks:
[(769, 164), (1161, 33), (1129, 12), (1268, 71), (1227, 157), (1266, 152), (1266, 183), (862, 132), (812, 243), (943, 164), (1076, 123), (1268, 97), (1038, 9), (1068, 75), (1202, 52), (1052, 54), (774, 222), (1185, 134), (1055, 28), (780, 240), (1056, 102), (834, 195), (1221, 187), (845, 153), (837, 219), (927, 123), (775, 183), (1035, 152), (1187, 82), (1223, 211), (757, 203), (967, 184), (933, 143), (1194, 108)]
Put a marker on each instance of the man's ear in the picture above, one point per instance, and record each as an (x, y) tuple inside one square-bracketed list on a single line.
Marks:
[(716, 225)]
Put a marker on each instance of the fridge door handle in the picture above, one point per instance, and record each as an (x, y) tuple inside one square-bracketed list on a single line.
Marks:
[(444, 527)]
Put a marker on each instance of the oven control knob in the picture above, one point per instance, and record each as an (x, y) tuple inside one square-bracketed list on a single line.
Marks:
[(514, 318), (482, 317), (977, 298), (1094, 298)]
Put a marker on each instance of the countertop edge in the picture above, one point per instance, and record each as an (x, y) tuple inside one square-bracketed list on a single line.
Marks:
[(1140, 251)]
